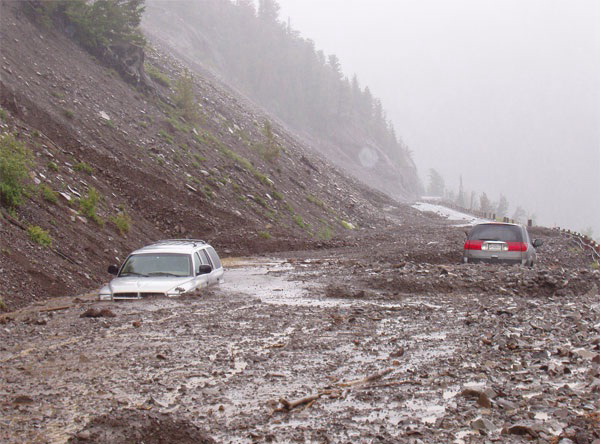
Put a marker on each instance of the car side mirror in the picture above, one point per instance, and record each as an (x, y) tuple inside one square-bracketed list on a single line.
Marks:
[(113, 269), (204, 269), (537, 243)]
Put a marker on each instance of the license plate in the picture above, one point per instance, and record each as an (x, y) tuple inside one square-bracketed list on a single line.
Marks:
[(495, 247)]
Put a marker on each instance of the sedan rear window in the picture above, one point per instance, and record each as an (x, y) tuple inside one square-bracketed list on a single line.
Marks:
[(505, 233), (157, 264)]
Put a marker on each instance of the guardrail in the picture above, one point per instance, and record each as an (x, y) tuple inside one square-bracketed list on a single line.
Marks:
[(584, 242)]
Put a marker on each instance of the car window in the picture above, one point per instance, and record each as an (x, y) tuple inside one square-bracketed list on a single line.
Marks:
[(206, 257), (156, 264), (505, 233), (214, 257), (201, 259)]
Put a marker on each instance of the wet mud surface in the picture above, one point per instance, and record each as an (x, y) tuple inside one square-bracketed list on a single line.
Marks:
[(326, 349)]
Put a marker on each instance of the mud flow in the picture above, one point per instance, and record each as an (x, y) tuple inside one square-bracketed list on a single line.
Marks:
[(295, 351)]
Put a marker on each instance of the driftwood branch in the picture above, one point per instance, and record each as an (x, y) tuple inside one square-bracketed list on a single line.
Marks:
[(308, 401), (369, 378)]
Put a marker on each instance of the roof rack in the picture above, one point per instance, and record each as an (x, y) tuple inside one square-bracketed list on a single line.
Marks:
[(179, 241)]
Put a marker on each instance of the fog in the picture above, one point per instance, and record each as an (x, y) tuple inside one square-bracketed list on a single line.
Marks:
[(503, 93)]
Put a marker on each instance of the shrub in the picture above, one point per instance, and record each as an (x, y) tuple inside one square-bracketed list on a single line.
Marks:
[(3, 114), (123, 222), (88, 206), (3, 306), (184, 96), (15, 162), (270, 150), (39, 235), (84, 167), (277, 195), (48, 194), (264, 235), (52, 166)]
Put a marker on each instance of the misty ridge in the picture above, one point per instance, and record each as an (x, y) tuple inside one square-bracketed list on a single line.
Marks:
[(254, 50), (252, 47)]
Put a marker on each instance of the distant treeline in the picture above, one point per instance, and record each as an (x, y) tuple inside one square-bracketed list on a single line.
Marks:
[(286, 74)]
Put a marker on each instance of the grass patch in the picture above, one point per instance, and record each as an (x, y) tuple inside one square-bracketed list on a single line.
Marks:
[(68, 113), (277, 195), (298, 220), (39, 235), (347, 225), (325, 233), (167, 137), (83, 167), (157, 75), (123, 222), (209, 139), (48, 194), (3, 114), (52, 166), (88, 206), (316, 201), (261, 201), (265, 235), (15, 163)]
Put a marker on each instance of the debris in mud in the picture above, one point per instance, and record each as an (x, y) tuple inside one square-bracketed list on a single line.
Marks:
[(130, 426), (344, 292), (98, 313)]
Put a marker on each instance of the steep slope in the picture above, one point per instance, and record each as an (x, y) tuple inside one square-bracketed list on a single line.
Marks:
[(91, 133), (284, 73)]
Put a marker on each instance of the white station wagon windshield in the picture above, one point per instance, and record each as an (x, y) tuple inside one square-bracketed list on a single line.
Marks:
[(157, 264)]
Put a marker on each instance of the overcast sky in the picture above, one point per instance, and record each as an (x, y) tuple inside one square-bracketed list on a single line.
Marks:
[(504, 93)]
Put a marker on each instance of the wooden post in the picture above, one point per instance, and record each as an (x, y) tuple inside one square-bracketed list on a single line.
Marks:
[(529, 222)]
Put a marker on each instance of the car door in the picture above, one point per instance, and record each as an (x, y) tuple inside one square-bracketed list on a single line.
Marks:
[(201, 280), (217, 273)]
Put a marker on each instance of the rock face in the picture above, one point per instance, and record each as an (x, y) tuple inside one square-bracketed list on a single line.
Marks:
[(128, 60)]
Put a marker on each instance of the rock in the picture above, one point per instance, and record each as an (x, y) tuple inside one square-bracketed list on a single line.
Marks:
[(521, 429), (482, 424), (98, 313), (484, 401), (84, 435), (23, 400)]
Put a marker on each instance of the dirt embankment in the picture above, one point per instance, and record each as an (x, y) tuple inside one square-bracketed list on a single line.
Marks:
[(207, 177)]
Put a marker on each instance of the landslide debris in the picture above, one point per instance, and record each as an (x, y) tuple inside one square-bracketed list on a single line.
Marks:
[(115, 168), (126, 426)]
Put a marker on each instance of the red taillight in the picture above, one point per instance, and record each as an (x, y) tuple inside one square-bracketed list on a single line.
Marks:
[(517, 246), (473, 245)]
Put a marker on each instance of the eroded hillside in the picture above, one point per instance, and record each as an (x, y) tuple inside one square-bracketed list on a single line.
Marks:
[(114, 167)]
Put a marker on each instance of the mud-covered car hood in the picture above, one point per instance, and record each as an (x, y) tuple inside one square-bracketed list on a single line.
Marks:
[(137, 284)]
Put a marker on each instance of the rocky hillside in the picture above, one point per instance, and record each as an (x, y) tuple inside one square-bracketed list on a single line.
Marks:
[(111, 167), (259, 54)]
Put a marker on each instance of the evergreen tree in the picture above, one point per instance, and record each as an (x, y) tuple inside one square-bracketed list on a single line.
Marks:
[(461, 194), (502, 207), (436, 186), (485, 205)]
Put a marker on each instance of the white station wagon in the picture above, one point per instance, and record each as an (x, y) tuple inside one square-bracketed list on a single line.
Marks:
[(166, 268)]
